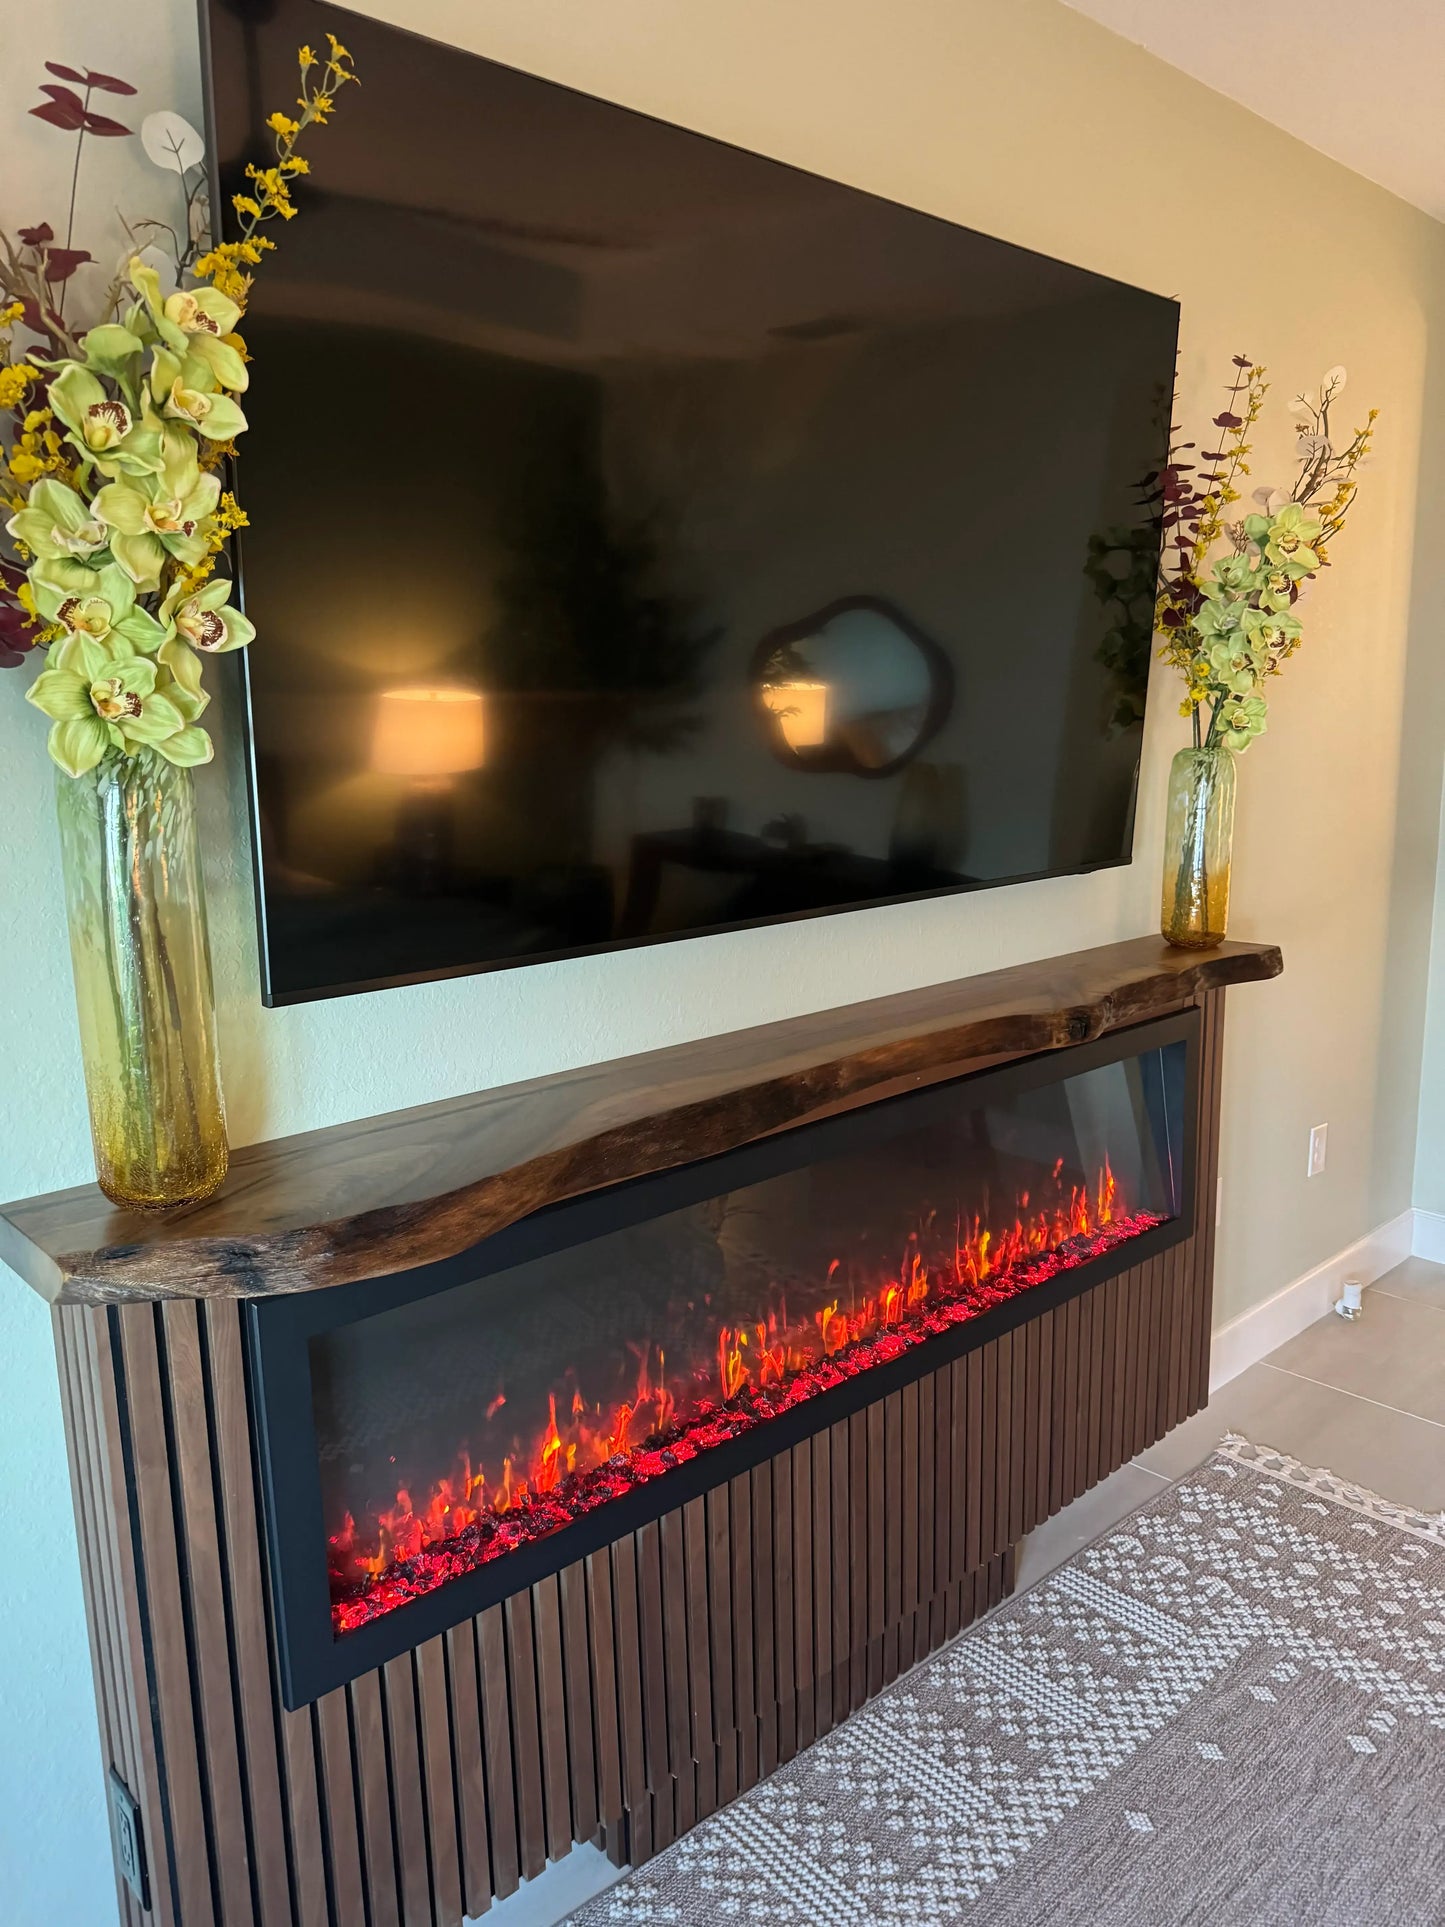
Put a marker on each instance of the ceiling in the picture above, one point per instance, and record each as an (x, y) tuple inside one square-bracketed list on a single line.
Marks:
[(1361, 80)]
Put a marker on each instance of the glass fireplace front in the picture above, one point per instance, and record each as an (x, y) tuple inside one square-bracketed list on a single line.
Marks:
[(654, 1334)]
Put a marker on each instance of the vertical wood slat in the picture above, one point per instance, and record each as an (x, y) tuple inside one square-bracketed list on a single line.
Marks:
[(782, 1481), (622, 1559), (1124, 1368), (205, 1604), (1044, 1393), (823, 1574), (1021, 1429), (169, 1655), (860, 1577), (403, 1743), (99, 1347), (965, 1529), (699, 1674), (373, 1773), (504, 1840), (874, 1422), (1095, 1374), (122, 1731), (1206, 1223), (526, 1736), (911, 1446), (764, 1668), (607, 1726), (1174, 1397), (681, 1796), (998, 1367), (801, 1472), (117, 1739), (439, 1781), (552, 1715), (652, 1649), (740, 1520), (991, 1457), (343, 1823), (943, 1476), (471, 1783), (1156, 1351), (1035, 1436), (583, 1771), (719, 1631), (1073, 1330), (250, 1650), (1132, 1440), (842, 1577)]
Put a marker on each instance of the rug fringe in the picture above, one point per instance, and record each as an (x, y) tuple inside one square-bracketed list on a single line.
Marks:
[(1319, 1479)]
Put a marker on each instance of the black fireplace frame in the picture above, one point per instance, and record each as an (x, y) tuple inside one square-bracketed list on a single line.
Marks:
[(312, 1660)]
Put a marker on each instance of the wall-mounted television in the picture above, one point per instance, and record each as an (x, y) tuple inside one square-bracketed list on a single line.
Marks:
[(650, 539)]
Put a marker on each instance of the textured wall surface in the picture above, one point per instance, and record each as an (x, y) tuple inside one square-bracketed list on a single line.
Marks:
[(1030, 122)]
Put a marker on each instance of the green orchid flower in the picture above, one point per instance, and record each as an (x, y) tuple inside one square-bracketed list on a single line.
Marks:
[(1240, 720), (1287, 539), (162, 515), (1277, 591), (109, 349), (1231, 668), (193, 323), (57, 523), (1219, 617), (186, 391), (1232, 575), (102, 696), (98, 603), (1270, 629), (102, 426), (206, 620)]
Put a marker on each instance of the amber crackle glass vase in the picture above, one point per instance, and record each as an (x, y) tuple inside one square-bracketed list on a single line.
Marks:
[(142, 964), (1198, 835)]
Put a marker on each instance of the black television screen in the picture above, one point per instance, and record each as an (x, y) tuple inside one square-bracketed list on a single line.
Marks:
[(648, 538)]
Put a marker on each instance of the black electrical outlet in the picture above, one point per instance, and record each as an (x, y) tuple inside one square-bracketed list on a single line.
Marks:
[(125, 1827)]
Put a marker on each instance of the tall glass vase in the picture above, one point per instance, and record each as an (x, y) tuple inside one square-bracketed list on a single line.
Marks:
[(142, 966), (1198, 840)]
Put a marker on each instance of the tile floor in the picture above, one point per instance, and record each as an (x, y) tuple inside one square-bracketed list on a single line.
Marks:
[(1367, 1400)]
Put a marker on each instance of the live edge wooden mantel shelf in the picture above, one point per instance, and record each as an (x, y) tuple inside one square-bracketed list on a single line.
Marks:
[(643, 1680), (389, 1193)]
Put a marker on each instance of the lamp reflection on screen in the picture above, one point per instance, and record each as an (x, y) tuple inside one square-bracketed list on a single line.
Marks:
[(429, 732), (802, 712), (430, 736)]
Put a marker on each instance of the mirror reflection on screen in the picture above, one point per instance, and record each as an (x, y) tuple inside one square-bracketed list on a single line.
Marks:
[(680, 541)]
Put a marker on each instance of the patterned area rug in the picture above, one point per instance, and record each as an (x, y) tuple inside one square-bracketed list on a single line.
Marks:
[(1230, 1709)]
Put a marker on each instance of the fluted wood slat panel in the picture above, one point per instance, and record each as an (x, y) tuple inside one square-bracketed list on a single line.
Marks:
[(621, 1699)]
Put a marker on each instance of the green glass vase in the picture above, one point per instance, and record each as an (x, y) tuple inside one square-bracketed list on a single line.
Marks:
[(1198, 844), (142, 965)]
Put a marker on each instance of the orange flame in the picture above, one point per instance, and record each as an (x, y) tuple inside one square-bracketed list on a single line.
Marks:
[(762, 1353)]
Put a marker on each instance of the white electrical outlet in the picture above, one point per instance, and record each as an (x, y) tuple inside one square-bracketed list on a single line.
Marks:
[(1319, 1144)]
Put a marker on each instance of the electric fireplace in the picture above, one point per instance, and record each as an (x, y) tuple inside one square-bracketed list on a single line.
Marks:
[(552, 1463), (432, 1441)]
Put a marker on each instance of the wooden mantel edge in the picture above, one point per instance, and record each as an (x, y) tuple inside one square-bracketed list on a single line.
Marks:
[(578, 1131)]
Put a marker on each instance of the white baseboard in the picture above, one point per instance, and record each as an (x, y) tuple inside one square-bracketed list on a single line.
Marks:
[(1429, 1240), (1255, 1333)]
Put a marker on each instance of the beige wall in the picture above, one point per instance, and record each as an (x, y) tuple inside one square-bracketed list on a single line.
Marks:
[(1430, 1148), (1030, 122)]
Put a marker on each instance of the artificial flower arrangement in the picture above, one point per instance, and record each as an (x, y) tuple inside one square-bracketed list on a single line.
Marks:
[(120, 435), (1229, 591), (1229, 587), (117, 515)]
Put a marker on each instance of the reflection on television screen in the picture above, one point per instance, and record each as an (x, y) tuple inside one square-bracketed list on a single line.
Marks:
[(684, 542)]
